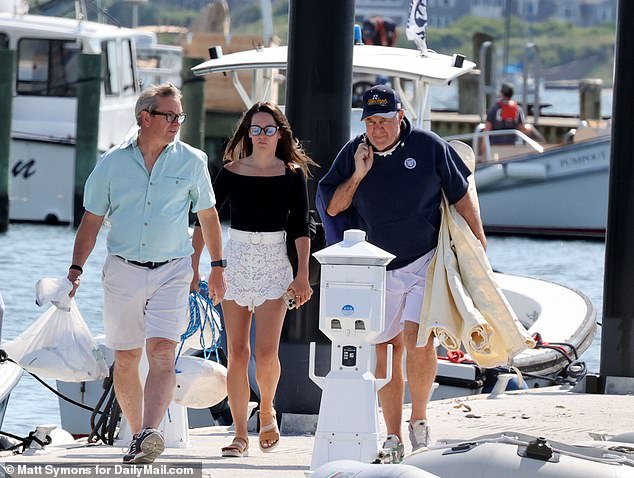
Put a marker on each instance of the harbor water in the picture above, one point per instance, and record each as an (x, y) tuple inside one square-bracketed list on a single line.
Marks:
[(31, 252), (562, 101)]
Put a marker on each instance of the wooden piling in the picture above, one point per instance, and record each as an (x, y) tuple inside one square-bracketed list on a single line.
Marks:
[(7, 62), (86, 146), (468, 91), (590, 99), (193, 90)]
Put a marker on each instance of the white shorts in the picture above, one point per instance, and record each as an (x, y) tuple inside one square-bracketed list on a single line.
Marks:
[(258, 268), (404, 291), (142, 303)]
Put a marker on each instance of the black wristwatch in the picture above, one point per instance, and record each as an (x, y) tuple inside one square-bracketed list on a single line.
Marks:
[(219, 263)]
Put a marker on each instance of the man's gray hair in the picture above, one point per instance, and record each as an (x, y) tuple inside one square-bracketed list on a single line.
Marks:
[(147, 99)]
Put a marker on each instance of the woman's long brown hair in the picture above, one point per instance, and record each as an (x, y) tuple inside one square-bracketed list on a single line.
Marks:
[(288, 148)]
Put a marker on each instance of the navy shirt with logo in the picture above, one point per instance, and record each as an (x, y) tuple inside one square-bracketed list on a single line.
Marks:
[(398, 202)]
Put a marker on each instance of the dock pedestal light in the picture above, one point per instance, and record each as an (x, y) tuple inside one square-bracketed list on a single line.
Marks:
[(351, 314)]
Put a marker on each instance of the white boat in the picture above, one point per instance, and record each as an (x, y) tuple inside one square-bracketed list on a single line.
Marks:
[(521, 455), (157, 63), (43, 123), (565, 321), (10, 374), (559, 190), (500, 455), (412, 74)]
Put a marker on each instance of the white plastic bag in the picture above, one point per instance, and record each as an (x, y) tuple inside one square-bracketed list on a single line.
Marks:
[(53, 290), (59, 344)]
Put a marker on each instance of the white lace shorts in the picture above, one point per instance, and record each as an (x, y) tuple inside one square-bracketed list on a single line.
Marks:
[(258, 268)]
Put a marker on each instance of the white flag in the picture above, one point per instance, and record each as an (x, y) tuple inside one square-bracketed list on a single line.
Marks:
[(417, 24)]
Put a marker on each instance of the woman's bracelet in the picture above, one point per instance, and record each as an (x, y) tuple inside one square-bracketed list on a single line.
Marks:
[(76, 267)]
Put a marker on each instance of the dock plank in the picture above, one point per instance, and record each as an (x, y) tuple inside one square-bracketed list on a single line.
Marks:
[(550, 412)]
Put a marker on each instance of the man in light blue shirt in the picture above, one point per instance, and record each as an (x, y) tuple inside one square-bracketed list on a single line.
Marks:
[(147, 186)]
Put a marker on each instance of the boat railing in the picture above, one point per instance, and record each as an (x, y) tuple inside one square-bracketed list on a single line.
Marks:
[(481, 142)]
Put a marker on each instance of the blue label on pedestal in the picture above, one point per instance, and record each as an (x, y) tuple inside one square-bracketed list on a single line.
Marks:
[(347, 310)]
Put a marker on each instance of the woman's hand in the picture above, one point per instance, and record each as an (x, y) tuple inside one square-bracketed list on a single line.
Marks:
[(301, 290)]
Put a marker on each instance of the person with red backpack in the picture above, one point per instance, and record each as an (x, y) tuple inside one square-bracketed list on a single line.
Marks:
[(506, 114)]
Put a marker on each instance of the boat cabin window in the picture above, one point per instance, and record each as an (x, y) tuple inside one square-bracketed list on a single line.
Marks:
[(4, 40), (47, 67), (118, 68)]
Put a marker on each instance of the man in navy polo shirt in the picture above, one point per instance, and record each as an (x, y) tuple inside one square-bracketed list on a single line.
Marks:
[(389, 182)]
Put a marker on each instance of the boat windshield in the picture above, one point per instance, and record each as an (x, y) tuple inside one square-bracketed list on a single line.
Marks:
[(50, 67), (47, 67)]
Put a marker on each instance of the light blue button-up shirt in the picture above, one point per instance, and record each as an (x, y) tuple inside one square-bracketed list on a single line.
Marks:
[(149, 213)]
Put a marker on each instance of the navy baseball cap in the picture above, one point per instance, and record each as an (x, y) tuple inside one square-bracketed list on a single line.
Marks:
[(381, 100)]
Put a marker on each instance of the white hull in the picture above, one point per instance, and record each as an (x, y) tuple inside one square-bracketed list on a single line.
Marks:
[(557, 313), (511, 454), (563, 191), (10, 375), (44, 110), (34, 195)]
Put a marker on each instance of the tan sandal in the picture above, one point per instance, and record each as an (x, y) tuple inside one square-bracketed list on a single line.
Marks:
[(270, 432), (239, 447)]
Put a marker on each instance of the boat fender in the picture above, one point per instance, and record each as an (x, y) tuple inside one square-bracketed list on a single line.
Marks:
[(526, 171), (488, 175), (200, 383), (345, 468)]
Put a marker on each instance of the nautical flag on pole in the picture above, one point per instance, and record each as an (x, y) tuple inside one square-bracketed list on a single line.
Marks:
[(417, 24)]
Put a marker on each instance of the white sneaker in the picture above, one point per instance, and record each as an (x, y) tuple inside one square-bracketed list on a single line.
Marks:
[(419, 434), (395, 448)]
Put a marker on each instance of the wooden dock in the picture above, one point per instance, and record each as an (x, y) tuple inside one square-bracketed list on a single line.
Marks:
[(554, 413), (553, 128)]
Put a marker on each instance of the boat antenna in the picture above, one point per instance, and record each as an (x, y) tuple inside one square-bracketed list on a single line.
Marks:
[(104, 11), (80, 10), (267, 21)]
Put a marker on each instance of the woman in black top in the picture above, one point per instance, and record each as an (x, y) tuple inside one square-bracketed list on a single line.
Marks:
[(264, 182)]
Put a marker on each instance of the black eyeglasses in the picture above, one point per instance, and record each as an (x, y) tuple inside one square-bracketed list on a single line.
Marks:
[(171, 117), (268, 130)]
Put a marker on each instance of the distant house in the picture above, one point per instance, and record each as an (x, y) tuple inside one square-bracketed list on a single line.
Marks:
[(442, 13)]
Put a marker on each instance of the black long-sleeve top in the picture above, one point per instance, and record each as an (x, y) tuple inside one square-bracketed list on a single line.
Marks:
[(265, 203)]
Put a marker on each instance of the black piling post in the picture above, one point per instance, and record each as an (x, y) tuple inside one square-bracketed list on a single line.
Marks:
[(318, 102), (86, 146), (617, 335), (7, 62)]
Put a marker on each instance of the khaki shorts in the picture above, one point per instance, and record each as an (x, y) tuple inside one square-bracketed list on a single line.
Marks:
[(404, 292), (142, 303)]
